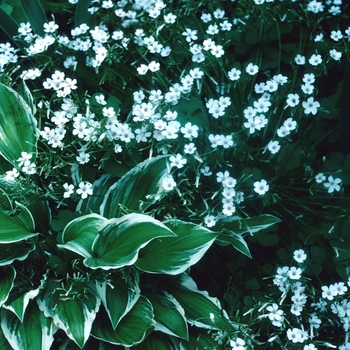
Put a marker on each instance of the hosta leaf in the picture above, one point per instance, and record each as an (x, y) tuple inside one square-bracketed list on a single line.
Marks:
[(7, 278), (201, 340), (4, 344), (19, 305), (131, 330), (35, 333), (236, 240), (134, 187), (201, 310), (251, 225), (5, 203), (159, 341), (168, 314), (26, 217), (120, 240), (13, 229), (79, 235), (93, 203), (175, 255), (118, 296), (18, 132), (15, 251), (73, 316), (35, 15)]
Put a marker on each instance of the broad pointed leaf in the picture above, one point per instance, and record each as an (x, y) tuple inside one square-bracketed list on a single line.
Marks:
[(35, 333), (79, 235), (5, 203), (159, 341), (93, 203), (13, 229), (7, 278), (251, 225), (35, 15), (19, 305), (175, 255), (236, 240), (121, 239), (200, 339), (118, 296), (140, 184), (73, 316), (4, 344), (131, 330), (15, 251), (168, 314), (26, 217), (18, 132), (201, 310)]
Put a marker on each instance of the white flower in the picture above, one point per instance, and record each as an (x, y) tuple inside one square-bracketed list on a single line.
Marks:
[(177, 161), (252, 69), (168, 183), (275, 315), (315, 59), (299, 255), (84, 189), (295, 335), (299, 59), (310, 106), (237, 344), (11, 175), (336, 55), (309, 347), (294, 273), (329, 292), (274, 146), (210, 220), (261, 187), (234, 74), (336, 35), (332, 184), (292, 100), (69, 189), (320, 177)]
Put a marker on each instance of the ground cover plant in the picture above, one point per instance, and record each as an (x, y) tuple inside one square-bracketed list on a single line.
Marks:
[(174, 174)]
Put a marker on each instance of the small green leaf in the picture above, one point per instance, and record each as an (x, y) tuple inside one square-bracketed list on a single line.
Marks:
[(118, 296), (82, 15), (35, 333), (174, 255), (79, 235), (120, 240), (18, 132), (8, 275), (236, 240), (201, 310), (168, 314), (131, 330), (251, 225), (136, 190)]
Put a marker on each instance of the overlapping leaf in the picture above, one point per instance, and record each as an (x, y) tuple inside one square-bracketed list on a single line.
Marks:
[(201, 310), (134, 187), (8, 275), (73, 316), (18, 132), (79, 235), (118, 296), (121, 239), (35, 333), (131, 330), (168, 314), (175, 255)]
